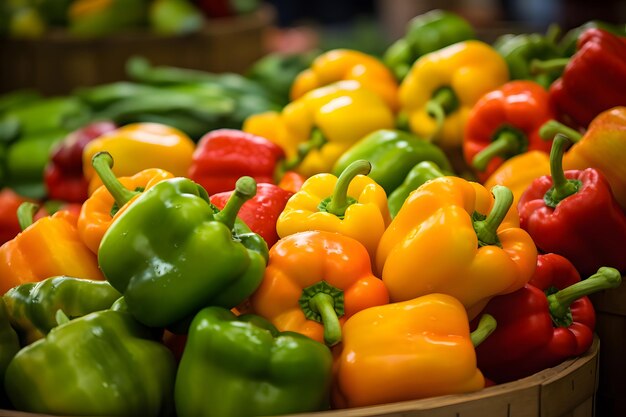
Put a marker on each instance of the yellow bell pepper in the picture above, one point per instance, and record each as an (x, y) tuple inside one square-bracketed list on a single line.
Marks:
[(452, 236), (140, 146), (347, 64), (441, 88), (352, 205), (321, 125), (407, 351)]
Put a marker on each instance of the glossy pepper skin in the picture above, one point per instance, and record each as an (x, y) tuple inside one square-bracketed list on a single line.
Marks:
[(9, 346), (351, 204), (418, 175), (567, 44), (549, 320), (463, 241), (347, 64), (63, 175), (321, 125), (104, 363), (100, 210), (48, 247), (443, 86), (505, 122), (191, 260), (261, 212), (32, 307), (406, 351), (228, 360), (574, 214), (593, 80), (392, 154), (314, 282), (159, 145)]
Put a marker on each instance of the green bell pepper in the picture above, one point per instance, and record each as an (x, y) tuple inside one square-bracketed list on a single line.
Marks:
[(392, 154), (243, 366), (567, 45), (9, 346), (426, 33), (104, 363), (32, 307), (171, 254), (418, 175)]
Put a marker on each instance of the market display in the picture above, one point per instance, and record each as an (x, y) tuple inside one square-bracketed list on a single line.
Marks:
[(371, 230)]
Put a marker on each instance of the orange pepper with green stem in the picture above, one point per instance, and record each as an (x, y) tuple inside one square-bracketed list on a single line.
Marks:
[(315, 281)]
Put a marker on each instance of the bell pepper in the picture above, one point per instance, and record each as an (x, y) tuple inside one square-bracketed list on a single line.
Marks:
[(549, 320), (505, 122), (441, 88), (574, 214), (425, 33), (104, 363), (261, 212), (9, 346), (9, 203), (405, 351), (162, 271), (223, 156), (291, 181), (160, 146), (567, 44), (243, 366), (351, 204), (63, 174), (321, 125), (347, 64), (392, 154), (463, 241), (32, 307), (100, 210), (48, 247), (418, 175), (314, 282)]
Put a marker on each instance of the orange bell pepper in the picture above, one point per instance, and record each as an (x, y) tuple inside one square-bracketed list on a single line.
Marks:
[(315, 281), (99, 210), (48, 247), (406, 351)]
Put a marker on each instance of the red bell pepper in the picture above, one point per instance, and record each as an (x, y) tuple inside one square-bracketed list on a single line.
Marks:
[(575, 214), (9, 203), (594, 79), (261, 212), (505, 122), (64, 173), (549, 320)]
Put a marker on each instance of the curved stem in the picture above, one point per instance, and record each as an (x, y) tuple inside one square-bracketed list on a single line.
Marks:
[(538, 66), (553, 33), (562, 187), (339, 202), (487, 229), (550, 129), (443, 102), (245, 189), (102, 163), (506, 143), (486, 326), (323, 304), (25, 213), (559, 302)]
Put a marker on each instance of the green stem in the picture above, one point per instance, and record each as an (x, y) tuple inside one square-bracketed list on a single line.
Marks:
[(443, 102), (245, 189), (487, 229), (339, 201), (562, 187), (538, 66), (559, 302), (505, 143), (102, 163), (61, 318), (550, 129), (25, 213), (486, 326), (323, 304), (316, 141), (553, 33)]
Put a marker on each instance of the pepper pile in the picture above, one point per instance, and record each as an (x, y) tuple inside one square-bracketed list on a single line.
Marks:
[(447, 216)]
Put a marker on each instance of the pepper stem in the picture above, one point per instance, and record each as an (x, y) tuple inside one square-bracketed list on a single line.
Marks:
[(538, 66), (486, 326), (316, 141), (25, 213), (61, 318), (505, 143), (487, 228), (559, 302), (324, 303), (550, 128), (339, 201), (443, 102), (102, 163), (245, 189), (562, 187)]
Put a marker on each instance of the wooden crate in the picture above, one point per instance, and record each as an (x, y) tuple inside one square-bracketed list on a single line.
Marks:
[(58, 63)]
